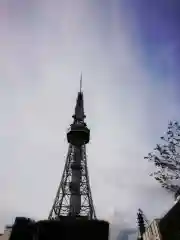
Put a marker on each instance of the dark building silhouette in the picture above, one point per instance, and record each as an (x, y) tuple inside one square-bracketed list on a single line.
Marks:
[(67, 228), (165, 228), (169, 225)]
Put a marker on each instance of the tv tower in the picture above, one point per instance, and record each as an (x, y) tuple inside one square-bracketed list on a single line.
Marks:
[(74, 196)]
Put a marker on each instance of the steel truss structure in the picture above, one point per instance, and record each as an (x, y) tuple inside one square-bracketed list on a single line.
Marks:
[(61, 206)]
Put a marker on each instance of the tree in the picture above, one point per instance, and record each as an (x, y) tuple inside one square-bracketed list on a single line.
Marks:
[(166, 158)]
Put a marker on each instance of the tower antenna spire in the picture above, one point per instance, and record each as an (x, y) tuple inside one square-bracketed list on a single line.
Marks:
[(81, 83)]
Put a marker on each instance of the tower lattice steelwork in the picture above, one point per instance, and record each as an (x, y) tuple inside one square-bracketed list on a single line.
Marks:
[(74, 197)]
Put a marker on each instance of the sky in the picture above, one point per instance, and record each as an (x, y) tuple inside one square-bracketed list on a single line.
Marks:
[(128, 53)]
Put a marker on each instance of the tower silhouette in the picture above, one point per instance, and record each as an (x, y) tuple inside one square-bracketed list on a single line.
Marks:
[(74, 196)]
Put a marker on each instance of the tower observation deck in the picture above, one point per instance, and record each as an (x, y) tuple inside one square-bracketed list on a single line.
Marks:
[(74, 196)]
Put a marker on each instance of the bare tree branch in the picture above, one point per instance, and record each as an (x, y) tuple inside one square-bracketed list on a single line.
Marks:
[(166, 158)]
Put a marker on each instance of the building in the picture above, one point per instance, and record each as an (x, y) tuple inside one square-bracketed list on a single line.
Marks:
[(169, 225), (6, 234), (152, 231), (166, 228), (66, 228)]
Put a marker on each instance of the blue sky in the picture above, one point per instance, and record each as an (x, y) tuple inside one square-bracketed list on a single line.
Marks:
[(128, 54), (156, 26)]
